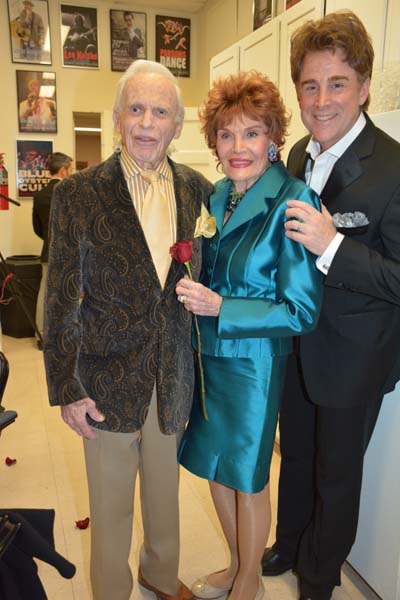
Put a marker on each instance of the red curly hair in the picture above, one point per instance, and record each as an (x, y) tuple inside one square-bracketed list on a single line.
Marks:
[(249, 94)]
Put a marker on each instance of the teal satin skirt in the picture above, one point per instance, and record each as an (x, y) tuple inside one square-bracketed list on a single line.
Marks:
[(234, 447)]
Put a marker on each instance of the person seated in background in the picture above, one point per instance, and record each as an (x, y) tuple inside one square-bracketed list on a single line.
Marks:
[(258, 289)]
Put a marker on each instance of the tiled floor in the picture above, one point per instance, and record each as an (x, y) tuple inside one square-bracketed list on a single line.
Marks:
[(50, 473)]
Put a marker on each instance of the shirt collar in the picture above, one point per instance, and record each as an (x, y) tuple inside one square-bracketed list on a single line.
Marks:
[(132, 169), (314, 148)]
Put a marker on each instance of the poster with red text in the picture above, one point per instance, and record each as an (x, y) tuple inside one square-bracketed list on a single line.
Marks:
[(173, 44), (79, 36)]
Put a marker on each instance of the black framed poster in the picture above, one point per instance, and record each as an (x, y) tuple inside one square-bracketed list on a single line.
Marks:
[(173, 44), (32, 171), (37, 104), (79, 36), (128, 38)]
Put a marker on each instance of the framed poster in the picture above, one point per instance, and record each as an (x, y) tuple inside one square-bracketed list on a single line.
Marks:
[(173, 44), (79, 36), (32, 172), (37, 104), (263, 11), (29, 31), (128, 38)]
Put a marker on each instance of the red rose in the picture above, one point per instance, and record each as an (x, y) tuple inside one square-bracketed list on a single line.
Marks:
[(182, 252)]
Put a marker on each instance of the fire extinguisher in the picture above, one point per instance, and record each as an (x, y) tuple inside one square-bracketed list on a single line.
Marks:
[(3, 183)]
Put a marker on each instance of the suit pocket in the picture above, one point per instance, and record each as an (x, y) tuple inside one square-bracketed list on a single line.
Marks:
[(353, 230), (370, 330)]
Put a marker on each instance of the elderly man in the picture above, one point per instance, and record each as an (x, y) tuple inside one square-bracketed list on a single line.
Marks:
[(339, 373), (117, 341)]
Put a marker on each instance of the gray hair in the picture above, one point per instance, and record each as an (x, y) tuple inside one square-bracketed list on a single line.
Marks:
[(148, 66)]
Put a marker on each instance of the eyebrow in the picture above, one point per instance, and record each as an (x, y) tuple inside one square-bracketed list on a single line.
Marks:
[(330, 79)]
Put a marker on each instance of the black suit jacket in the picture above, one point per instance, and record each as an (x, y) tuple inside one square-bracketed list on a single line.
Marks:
[(354, 353), (41, 215), (127, 332)]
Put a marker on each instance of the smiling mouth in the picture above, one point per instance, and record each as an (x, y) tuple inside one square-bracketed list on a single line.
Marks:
[(240, 164), (323, 118)]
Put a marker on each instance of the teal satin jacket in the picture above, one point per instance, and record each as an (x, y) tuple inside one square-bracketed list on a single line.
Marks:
[(270, 285)]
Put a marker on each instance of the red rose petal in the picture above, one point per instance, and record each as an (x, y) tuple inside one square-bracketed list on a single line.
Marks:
[(10, 461), (83, 524)]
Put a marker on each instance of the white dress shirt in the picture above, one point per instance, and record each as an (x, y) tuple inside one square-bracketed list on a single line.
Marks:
[(317, 175)]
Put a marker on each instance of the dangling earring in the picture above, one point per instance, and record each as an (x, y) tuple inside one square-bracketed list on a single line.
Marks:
[(272, 152)]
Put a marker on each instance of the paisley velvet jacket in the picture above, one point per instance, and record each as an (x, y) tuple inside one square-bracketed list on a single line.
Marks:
[(111, 331)]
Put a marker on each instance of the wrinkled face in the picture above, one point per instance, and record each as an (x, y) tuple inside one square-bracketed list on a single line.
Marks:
[(147, 120), (330, 95), (242, 148)]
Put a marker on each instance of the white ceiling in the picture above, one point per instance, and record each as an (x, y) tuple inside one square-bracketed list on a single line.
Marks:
[(165, 6)]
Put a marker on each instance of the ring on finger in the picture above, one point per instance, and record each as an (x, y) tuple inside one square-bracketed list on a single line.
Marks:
[(298, 227), (182, 299)]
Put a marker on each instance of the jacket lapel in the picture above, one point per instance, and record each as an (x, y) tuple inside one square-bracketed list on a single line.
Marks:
[(256, 200), (349, 167)]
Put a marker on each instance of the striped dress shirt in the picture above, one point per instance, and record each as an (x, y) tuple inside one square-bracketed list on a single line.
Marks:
[(137, 187)]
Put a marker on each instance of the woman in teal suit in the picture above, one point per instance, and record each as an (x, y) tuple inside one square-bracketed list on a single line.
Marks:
[(258, 289)]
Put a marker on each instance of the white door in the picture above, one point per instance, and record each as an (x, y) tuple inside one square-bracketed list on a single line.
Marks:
[(225, 63), (260, 50)]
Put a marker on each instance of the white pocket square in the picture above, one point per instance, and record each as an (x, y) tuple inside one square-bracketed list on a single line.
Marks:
[(350, 219)]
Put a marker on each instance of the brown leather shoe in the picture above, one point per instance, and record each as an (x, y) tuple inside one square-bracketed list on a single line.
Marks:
[(183, 593)]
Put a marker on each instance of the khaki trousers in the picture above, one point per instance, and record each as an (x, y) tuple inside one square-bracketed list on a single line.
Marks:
[(112, 462)]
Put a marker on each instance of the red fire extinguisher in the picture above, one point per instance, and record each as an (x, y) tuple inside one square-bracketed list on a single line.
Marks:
[(3, 183)]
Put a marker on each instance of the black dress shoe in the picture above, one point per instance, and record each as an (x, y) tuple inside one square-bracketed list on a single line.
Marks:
[(272, 564)]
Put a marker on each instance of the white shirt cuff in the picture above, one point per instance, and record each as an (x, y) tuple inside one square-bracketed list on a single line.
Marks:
[(325, 260)]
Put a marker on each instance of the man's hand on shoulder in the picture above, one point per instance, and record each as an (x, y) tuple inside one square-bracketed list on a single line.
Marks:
[(305, 224), (74, 415)]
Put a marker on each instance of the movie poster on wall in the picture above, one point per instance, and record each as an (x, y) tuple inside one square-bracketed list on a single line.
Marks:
[(37, 104), (79, 36), (128, 38), (29, 31), (173, 44), (32, 171)]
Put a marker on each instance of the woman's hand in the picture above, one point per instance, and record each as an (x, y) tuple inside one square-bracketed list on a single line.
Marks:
[(197, 298)]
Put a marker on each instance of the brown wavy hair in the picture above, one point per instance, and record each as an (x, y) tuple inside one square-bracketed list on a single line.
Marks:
[(342, 29), (249, 94)]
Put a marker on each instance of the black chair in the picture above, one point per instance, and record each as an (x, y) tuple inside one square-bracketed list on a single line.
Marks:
[(6, 416)]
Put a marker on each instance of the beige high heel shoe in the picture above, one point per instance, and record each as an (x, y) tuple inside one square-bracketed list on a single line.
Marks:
[(201, 588)]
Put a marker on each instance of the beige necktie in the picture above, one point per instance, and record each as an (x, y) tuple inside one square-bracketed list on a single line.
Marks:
[(155, 224)]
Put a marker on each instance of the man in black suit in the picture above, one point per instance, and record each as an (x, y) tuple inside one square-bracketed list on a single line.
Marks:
[(339, 373), (60, 166), (133, 35)]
